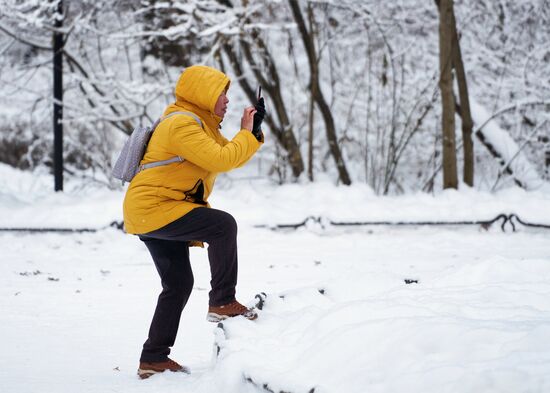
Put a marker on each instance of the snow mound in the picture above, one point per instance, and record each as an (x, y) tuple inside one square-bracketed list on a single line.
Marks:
[(477, 327)]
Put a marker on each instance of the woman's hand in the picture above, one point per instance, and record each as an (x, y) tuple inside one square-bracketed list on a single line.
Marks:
[(247, 121)]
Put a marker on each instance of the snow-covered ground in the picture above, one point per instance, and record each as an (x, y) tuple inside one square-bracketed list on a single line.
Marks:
[(338, 316)]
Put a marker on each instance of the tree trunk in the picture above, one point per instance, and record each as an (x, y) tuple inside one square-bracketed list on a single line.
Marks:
[(464, 108), (310, 138), (311, 109), (465, 114), (450, 179), (317, 93)]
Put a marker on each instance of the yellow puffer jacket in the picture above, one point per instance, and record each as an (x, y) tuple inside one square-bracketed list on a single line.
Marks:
[(160, 195)]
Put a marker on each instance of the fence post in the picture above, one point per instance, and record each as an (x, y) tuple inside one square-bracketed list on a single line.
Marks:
[(58, 98)]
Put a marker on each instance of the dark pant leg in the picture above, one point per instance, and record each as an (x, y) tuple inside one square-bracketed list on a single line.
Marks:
[(172, 262), (219, 230), (222, 254)]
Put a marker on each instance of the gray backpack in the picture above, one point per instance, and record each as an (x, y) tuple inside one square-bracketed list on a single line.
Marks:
[(127, 164)]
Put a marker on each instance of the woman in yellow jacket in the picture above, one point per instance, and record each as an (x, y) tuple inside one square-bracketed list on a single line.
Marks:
[(167, 206)]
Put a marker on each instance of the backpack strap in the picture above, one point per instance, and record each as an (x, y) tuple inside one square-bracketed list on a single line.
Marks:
[(197, 119), (173, 159), (160, 163)]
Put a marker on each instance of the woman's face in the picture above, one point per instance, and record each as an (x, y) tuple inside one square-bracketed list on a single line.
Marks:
[(221, 105)]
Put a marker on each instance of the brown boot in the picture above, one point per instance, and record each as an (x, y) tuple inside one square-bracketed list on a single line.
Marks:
[(147, 369), (233, 309)]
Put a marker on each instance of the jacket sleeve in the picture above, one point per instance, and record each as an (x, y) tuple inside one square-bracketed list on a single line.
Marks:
[(190, 141)]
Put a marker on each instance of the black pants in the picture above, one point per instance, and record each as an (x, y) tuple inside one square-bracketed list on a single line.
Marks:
[(169, 248)]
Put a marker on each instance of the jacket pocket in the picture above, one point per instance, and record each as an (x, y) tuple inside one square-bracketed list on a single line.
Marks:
[(196, 194)]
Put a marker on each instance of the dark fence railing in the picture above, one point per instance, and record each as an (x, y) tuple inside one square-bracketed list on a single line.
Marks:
[(506, 220)]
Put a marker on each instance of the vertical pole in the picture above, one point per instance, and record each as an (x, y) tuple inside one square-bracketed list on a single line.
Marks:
[(58, 98)]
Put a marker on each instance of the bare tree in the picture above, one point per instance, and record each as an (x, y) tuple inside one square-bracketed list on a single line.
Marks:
[(311, 115), (259, 58), (318, 96), (447, 98), (463, 109)]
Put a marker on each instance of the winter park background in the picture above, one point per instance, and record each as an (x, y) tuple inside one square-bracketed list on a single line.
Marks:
[(364, 308)]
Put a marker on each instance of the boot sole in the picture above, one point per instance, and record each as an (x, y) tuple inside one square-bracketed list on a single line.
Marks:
[(213, 317), (144, 374)]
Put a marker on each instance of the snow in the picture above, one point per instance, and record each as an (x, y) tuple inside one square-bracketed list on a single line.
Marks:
[(76, 307)]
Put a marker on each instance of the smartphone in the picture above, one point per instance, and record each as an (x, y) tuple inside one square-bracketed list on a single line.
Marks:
[(259, 92)]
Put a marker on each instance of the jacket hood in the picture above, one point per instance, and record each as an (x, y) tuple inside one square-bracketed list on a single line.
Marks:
[(201, 86)]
